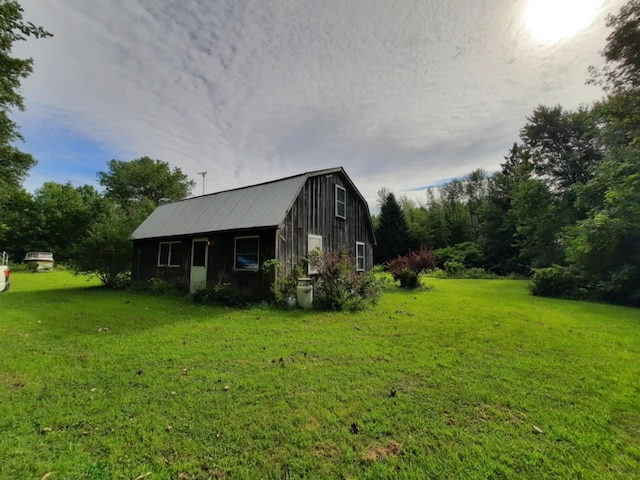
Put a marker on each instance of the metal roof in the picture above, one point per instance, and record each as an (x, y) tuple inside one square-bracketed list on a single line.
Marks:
[(256, 206)]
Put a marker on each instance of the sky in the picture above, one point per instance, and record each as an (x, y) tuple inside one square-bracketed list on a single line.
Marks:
[(404, 94)]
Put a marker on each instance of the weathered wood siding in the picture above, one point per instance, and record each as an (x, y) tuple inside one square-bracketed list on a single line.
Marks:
[(222, 258), (145, 262), (220, 265), (313, 212)]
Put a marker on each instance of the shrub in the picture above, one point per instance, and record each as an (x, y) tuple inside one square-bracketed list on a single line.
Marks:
[(554, 281), (339, 287), (454, 268), (620, 286), (157, 286), (467, 253), (379, 269), (457, 270), (407, 269), (282, 288), (106, 250), (408, 278), (437, 273), (224, 294), (478, 273), (385, 280)]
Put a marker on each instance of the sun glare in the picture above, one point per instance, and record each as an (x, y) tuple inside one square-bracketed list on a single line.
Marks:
[(554, 20)]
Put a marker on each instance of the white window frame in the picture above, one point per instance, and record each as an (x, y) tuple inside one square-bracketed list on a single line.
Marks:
[(360, 259), (169, 256), (311, 239), (235, 254), (340, 203)]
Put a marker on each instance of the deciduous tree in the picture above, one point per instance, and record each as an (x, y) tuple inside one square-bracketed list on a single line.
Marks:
[(144, 180), (605, 246), (561, 145), (622, 72), (106, 250), (14, 164), (62, 215)]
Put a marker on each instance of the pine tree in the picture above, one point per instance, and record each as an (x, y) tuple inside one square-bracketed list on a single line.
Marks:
[(392, 235)]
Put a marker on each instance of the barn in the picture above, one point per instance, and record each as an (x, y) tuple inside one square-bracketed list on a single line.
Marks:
[(225, 237)]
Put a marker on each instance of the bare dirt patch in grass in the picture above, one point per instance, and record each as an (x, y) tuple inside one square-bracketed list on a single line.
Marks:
[(380, 452)]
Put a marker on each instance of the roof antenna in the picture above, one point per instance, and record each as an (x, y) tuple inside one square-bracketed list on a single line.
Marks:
[(203, 175)]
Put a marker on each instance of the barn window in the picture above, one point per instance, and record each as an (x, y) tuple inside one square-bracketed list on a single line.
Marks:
[(360, 256), (341, 202), (247, 253), (314, 247), (169, 254)]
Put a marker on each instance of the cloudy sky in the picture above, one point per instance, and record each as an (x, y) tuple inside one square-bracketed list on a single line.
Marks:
[(402, 93)]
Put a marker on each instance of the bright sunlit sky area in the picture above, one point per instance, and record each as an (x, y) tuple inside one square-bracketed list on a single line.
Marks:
[(403, 94)]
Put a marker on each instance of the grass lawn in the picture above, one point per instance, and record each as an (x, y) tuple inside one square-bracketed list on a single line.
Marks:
[(469, 379)]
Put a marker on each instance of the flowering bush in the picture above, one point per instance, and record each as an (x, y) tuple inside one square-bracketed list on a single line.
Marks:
[(339, 287), (407, 269)]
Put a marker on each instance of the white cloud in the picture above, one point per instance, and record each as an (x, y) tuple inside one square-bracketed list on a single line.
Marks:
[(402, 94)]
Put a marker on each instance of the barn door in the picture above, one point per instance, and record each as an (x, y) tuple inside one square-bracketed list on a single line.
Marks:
[(199, 259)]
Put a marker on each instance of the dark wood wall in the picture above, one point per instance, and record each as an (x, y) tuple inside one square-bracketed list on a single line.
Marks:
[(220, 265), (313, 212), (145, 262)]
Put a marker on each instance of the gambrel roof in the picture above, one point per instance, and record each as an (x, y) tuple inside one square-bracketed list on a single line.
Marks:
[(263, 205)]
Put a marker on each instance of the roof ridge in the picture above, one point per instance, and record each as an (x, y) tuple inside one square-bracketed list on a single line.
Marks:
[(311, 173)]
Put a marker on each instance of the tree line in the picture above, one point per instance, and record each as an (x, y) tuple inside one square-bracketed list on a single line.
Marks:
[(564, 206), (87, 229)]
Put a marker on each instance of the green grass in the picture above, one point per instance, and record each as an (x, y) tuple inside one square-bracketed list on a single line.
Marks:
[(489, 382)]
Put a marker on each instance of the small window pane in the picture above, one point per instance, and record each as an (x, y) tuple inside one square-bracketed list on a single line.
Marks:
[(199, 254), (163, 256), (169, 254), (360, 256), (341, 202), (247, 249), (176, 254)]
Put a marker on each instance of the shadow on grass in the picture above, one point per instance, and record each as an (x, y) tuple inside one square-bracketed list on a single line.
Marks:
[(84, 310), (69, 291)]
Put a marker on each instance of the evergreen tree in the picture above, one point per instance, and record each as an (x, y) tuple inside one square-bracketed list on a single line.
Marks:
[(496, 225), (437, 226), (392, 235)]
